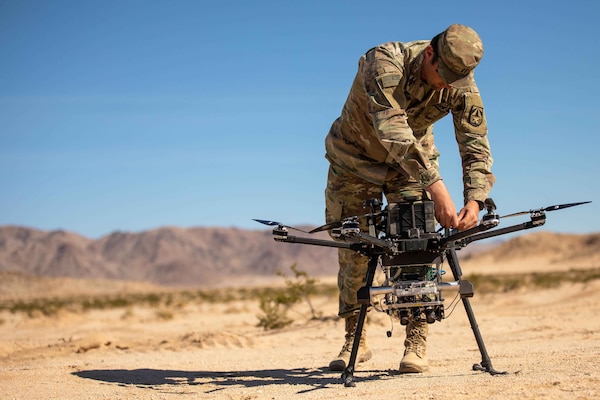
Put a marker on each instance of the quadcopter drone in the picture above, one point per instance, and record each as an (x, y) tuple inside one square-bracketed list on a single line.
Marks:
[(403, 241)]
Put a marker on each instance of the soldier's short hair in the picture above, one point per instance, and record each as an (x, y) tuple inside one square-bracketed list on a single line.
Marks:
[(434, 44)]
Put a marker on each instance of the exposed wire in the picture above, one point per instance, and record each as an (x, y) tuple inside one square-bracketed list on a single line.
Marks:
[(452, 306)]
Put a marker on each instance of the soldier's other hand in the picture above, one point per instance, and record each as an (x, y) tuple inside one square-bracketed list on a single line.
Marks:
[(468, 216), (445, 211), (446, 215)]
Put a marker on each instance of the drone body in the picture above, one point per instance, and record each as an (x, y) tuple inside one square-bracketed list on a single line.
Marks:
[(403, 242)]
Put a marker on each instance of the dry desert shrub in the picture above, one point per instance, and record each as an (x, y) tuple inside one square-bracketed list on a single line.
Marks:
[(276, 303)]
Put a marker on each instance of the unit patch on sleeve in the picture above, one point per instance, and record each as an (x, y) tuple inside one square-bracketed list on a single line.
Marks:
[(476, 116)]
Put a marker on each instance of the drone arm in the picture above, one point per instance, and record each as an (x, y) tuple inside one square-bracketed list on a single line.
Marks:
[(503, 231), (354, 246), (468, 233), (316, 242), (383, 244)]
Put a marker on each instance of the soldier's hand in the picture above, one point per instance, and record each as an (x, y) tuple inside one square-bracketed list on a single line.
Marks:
[(445, 211), (468, 216)]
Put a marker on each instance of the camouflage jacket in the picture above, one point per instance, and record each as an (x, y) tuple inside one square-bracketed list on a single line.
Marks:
[(387, 122)]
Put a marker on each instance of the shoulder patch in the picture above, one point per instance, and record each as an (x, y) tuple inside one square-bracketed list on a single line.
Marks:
[(471, 114), (476, 116)]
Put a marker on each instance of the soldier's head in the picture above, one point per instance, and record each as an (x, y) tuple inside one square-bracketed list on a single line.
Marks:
[(452, 55)]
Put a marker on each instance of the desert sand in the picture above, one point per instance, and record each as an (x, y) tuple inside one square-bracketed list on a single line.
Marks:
[(547, 340)]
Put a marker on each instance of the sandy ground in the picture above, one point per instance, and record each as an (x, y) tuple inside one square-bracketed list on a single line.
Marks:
[(547, 340)]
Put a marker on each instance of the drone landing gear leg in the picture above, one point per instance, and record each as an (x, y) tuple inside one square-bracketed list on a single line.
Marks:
[(348, 374), (486, 363)]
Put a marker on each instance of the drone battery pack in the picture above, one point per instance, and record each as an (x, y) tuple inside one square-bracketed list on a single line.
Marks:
[(405, 218)]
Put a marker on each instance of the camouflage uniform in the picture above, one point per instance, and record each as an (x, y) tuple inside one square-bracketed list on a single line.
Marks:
[(383, 142)]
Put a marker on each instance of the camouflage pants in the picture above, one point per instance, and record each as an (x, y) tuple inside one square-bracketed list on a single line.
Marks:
[(345, 196)]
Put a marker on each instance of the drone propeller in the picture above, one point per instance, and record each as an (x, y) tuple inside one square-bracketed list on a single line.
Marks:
[(338, 224), (273, 223), (550, 208), (327, 227)]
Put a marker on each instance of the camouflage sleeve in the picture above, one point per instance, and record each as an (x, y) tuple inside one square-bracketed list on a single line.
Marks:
[(470, 127), (383, 73)]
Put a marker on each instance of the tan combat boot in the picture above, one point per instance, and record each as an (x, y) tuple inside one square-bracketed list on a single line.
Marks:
[(415, 358), (364, 353)]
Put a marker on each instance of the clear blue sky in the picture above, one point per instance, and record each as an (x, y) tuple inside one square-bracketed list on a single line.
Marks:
[(132, 115)]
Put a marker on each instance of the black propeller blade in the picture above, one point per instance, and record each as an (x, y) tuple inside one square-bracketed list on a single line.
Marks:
[(338, 224), (273, 223), (550, 208), (327, 227)]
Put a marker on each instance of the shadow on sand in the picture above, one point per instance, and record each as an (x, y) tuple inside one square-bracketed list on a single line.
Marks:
[(314, 378)]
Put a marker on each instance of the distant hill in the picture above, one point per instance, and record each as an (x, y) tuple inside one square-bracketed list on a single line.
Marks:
[(217, 256), (538, 251), (166, 256)]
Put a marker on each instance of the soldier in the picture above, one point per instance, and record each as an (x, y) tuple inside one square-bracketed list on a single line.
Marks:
[(382, 144)]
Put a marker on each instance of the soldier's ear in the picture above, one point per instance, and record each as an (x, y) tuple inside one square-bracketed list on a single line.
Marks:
[(429, 55), (429, 52)]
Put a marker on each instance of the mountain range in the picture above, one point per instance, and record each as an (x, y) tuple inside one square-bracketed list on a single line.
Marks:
[(167, 255)]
